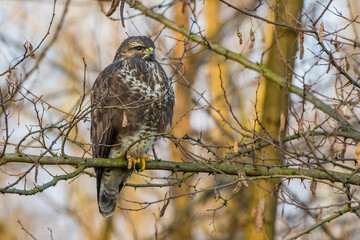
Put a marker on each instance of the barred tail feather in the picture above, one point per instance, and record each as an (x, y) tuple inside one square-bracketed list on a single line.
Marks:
[(110, 181)]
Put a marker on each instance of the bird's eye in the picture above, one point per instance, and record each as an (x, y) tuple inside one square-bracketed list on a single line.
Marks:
[(139, 48)]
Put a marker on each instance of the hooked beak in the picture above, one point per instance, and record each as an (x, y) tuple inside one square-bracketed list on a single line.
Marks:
[(151, 52)]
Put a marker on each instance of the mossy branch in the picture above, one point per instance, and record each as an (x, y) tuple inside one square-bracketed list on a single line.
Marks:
[(44, 186), (197, 167)]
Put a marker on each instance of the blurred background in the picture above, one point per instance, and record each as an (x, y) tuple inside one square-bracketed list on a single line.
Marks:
[(222, 107)]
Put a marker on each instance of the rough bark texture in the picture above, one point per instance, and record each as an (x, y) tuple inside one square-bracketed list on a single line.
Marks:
[(180, 228), (283, 46)]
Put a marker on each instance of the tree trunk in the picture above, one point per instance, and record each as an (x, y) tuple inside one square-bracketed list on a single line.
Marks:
[(273, 107), (180, 227)]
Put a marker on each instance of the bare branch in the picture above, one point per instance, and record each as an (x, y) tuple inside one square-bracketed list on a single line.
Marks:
[(229, 169)]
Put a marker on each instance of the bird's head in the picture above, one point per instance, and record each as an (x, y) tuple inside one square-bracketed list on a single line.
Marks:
[(136, 47)]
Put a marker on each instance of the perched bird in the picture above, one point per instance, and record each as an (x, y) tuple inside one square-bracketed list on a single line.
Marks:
[(132, 101)]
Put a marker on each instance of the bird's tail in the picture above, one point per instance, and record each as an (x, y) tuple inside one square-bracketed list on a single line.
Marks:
[(109, 183)]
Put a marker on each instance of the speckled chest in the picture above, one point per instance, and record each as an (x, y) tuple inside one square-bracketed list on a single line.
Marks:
[(145, 95)]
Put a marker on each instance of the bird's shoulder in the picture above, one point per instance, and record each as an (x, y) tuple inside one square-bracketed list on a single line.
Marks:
[(129, 77), (131, 69)]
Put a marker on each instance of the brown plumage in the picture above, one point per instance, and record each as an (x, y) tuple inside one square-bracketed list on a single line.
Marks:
[(132, 99)]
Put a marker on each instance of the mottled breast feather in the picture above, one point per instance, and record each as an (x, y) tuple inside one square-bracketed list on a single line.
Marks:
[(139, 88)]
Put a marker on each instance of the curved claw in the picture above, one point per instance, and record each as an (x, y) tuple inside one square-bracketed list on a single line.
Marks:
[(133, 161), (143, 162)]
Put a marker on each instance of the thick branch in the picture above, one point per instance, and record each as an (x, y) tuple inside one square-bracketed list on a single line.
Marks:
[(41, 188), (198, 167)]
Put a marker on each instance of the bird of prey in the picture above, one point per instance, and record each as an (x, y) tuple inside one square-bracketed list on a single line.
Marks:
[(132, 101)]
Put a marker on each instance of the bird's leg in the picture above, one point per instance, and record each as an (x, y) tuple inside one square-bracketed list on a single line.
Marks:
[(143, 162), (132, 161)]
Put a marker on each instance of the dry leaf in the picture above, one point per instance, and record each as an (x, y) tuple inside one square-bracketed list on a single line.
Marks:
[(355, 41), (259, 218), (128, 157), (242, 175), (163, 209), (239, 34), (357, 154), (301, 43), (340, 111), (282, 126), (114, 6), (321, 30), (252, 39), (336, 43), (282, 122), (122, 13), (301, 125), (124, 123), (31, 49), (236, 147), (319, 216), (356, 70), (313, 186), (237, 187), (347, 65), (239, 184)]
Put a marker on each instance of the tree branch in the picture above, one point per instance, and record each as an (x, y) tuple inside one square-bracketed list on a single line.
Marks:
[(198, 167), (325, 220), (41, 188)]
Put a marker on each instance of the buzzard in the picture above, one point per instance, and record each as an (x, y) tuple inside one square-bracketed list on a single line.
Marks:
[(133, 102)]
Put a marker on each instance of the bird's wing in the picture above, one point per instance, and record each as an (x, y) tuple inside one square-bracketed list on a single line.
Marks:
[(105, 121), (103, 128), (168, 100)]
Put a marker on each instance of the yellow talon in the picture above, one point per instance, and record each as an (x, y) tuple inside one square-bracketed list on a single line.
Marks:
[(132, 161), (143, 160), (137, 160), (142, 164)]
